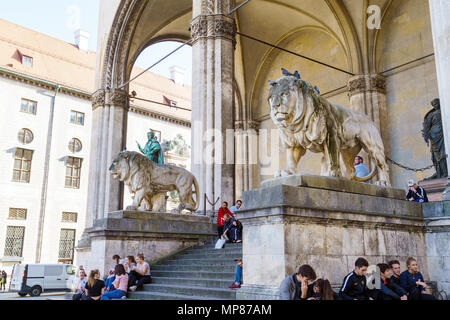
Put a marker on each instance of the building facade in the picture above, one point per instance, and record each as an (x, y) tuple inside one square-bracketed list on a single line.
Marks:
[(46, 87)]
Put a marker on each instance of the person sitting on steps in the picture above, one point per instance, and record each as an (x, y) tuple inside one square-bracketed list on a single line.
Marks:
[(412, 281), (238, 275), (231, 230), (139, 273), (220, 217), (299, 286)]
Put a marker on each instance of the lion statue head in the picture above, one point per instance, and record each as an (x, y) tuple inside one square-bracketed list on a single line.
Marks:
[(126, 165), (289, 99)]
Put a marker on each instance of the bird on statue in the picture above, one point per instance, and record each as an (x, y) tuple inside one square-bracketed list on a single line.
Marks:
[(317, 89), (287, 73)]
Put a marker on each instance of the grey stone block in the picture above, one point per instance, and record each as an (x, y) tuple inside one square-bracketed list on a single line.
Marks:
[(335, 184)]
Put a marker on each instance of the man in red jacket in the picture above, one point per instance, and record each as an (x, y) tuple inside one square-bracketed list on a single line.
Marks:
[(220, 219)]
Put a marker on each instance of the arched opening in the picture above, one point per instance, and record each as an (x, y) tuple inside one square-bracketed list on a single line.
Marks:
[(160, 100)]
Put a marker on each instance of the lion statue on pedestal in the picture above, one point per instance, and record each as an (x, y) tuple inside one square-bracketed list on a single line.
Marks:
[(308, 121), (149, 182)]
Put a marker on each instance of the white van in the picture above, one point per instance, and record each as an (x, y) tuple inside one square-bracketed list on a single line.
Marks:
[(33, 279)]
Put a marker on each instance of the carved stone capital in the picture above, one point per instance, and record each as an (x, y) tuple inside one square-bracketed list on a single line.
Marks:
[(117, 98), (253, 125), (212, 27), (378, 83), (367, 83), (239, 125), (357, 84), (98, 99)]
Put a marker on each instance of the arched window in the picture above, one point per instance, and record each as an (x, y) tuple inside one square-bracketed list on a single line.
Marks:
[(75, 145), (25, 136)]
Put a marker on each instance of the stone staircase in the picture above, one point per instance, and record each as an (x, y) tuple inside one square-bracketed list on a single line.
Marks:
[(199, 273)]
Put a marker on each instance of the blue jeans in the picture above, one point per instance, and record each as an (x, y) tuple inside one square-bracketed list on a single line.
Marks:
[(238, 276), (109, 282), (116, 294)]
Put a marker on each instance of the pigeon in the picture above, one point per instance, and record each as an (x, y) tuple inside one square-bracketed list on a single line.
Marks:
[(272, 83), (317, 89), (285, 72), (288, 74)]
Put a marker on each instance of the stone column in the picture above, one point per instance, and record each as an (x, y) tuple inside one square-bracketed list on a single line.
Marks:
[(440, 24), (213, 35), (247, 168), (367, 93), (109, 122)]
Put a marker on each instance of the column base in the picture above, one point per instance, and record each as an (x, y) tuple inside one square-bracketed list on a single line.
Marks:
[(258, 292)]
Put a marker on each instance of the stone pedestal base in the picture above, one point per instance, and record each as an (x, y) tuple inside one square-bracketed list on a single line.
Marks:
[(434, 188), (258, 292), (286, 226), (156, 235)]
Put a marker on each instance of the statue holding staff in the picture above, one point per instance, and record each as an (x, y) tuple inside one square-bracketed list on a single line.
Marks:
[(434, 137), (152, 150)]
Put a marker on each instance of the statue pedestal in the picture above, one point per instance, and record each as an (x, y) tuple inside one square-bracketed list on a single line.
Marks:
[(327, 223), (156, 235), (434, 188)]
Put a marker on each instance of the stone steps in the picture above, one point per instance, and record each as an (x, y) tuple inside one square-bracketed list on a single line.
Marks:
[(202, 261), (200, 273), (216, 293), (194, 268), (144, 295), (201, 282)]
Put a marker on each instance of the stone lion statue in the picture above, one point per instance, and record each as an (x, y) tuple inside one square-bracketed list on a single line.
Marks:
[(149, 182), (307, 121)]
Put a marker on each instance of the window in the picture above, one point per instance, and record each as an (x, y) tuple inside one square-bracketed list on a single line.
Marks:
[(28, 106), (22, 165), (75, 145), (71, 270), (53, 271), (66, 246), (77, 117), (69, 217), (27, 61), (73, 172), (14, 241), (25, 136), (17, 214)]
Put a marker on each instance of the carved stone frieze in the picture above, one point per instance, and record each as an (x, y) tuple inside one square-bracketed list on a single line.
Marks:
[(98, 99), (367, 83), (213, 26), (117, 98)]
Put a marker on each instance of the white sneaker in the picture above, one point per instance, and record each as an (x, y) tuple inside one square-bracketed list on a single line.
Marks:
[(124, 298), (133, 288)]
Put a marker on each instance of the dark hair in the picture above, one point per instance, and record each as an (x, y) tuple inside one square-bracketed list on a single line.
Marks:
[(360, 158), (131, 258), (361, 262), (307, 271), (119, 270), (116, 257), (392, 262), (225, 203), (383, 267), (239, 201), (325, 290), (141, 256)]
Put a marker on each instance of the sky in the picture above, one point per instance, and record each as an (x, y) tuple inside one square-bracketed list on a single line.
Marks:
[(60, 19)]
